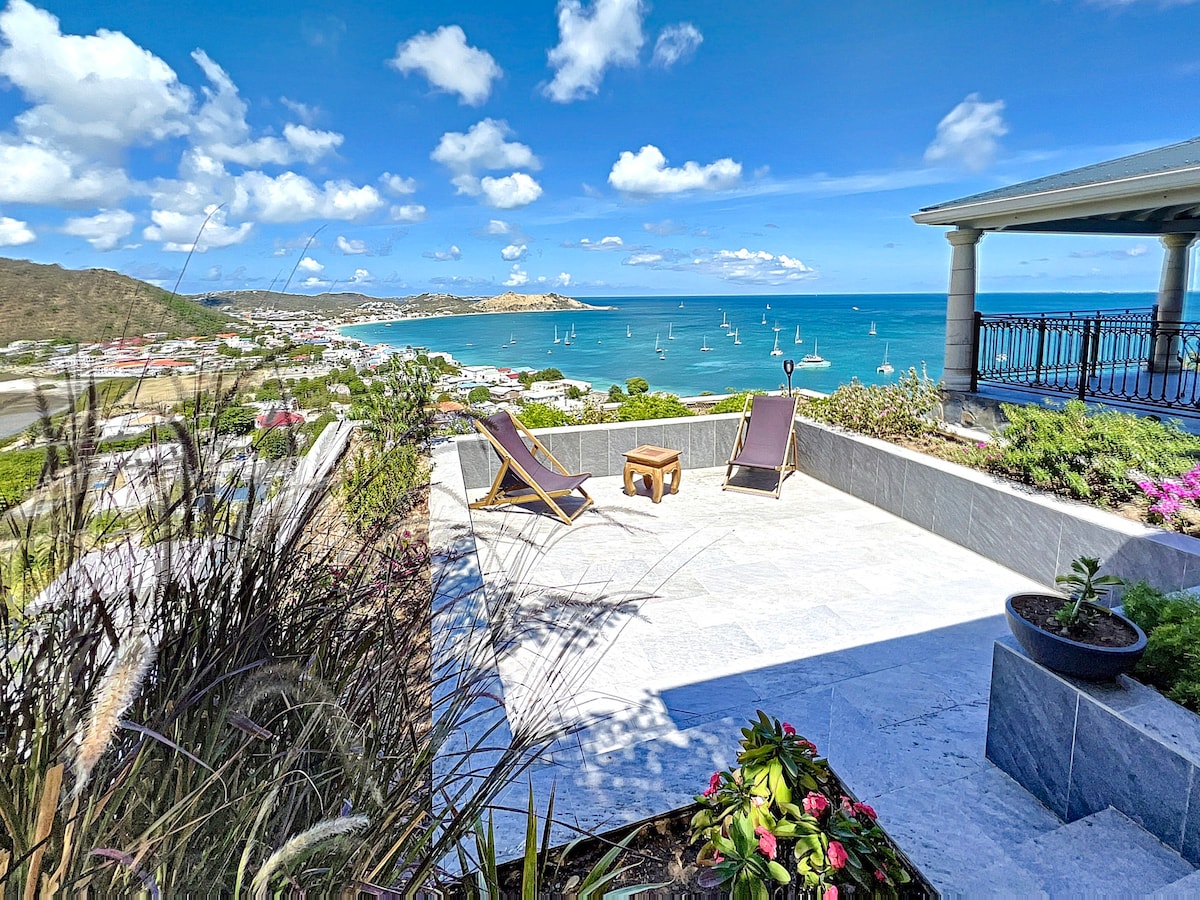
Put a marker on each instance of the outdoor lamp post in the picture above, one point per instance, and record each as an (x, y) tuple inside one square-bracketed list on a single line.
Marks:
[(789, 366)]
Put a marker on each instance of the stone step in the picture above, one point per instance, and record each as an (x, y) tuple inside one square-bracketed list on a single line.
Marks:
[(1104, 854), (1187, 886)]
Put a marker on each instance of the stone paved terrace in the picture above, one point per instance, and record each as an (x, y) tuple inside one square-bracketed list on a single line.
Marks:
[(871, 635)]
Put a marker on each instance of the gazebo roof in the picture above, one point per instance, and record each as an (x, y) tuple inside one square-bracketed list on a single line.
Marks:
[(1154, 192)]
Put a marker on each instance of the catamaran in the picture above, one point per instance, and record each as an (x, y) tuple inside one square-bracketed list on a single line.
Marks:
[(704, 346), (724, 320), (885, 367), (799, 340), (813, 360), (776, 351), (872, 331), (557, 339)]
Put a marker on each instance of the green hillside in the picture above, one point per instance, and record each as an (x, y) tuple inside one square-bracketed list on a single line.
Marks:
[(39, 302)]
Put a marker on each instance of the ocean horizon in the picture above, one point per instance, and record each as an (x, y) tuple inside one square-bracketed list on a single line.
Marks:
[(607, 346)]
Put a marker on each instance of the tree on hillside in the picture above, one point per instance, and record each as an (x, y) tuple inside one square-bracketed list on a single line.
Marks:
[(636, 386), (479, 395)]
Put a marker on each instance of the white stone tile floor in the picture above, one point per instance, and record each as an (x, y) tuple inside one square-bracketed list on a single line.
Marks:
[(869, 634)]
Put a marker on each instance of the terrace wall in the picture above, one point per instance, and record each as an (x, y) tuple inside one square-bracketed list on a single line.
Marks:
[(1032, 533)]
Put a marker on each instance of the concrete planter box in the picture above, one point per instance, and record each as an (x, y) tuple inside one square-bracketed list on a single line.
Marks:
[(1080, 747)]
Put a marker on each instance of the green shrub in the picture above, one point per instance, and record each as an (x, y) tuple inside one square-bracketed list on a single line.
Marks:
[(19, 474), (651, 406), (1090, 456), (1172, 625), (636, 386), (539, 415), (615, 394), (479, 395), (901, 408), (734, 403), (381, 487), (275, 443)]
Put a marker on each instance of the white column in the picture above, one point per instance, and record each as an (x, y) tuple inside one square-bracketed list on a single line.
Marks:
[(960, 310), (1171, 292)]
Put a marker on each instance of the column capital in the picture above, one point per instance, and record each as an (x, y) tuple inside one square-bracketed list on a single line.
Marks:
[(960, 237), (1179, 240)]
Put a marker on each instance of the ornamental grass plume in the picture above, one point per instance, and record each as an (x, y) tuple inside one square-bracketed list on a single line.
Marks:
[(118, 689), (301, 844)]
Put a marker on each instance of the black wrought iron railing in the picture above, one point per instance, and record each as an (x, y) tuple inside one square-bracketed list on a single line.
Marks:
[(1120, 354)]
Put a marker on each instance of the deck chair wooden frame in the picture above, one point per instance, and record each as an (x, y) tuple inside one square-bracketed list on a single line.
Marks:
[(788, 458), (531, 490)]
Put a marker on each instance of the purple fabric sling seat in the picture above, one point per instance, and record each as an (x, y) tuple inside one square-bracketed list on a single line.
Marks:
[(522, 477), (766, 439)]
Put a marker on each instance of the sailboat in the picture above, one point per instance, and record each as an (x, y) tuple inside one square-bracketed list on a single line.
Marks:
[(557, 339), (572, 329), (872, 331), (628, 331), (512, 338), (885, 367), (799, 340), (681, 304), (657, 349), (764, 321), (704, 346), (724, 320), (813, 360), (730, 332), (776, 351), (776, 328), (567, 341), (670, 337), (736, 339)]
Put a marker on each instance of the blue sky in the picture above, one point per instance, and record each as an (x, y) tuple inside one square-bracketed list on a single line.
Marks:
[(593, 147)]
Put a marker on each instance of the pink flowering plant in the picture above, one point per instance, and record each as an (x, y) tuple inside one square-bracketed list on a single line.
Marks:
[(1172, 498), (779, 816)]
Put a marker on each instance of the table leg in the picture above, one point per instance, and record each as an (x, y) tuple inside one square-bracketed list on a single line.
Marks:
[(629, 490), (676, 473), (656, 485)]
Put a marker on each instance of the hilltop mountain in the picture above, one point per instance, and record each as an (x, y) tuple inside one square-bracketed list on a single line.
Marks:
[(39, 302), (350, 303)]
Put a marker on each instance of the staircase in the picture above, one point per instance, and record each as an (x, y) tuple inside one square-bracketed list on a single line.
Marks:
[(1105, 854)]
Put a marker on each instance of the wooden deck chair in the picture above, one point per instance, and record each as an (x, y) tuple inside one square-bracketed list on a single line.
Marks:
[(522, 478), (766, 439)]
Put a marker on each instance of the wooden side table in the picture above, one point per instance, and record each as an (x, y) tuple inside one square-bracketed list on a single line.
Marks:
[(652, 463)]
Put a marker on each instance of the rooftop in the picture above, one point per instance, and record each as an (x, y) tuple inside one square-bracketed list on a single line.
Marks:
[(869, 634)]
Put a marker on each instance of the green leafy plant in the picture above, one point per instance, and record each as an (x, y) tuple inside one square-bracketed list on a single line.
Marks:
[(636, 385), (1172, 625), (1097, 456), (651, 406), (479, 394), (1083, 582), (734, 403), (539, 415), (902, 408), (782, 803)]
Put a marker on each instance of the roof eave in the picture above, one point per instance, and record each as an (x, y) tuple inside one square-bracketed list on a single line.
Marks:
[(1178, 186)]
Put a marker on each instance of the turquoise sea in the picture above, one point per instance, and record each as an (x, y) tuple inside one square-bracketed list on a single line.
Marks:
[(609, 346)]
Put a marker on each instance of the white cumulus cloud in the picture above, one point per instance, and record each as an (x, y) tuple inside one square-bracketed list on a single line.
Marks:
[(290, 197), (351, 247), (516, 277), (676, 43), (312, 282), (408, 212), (647, 172), (744, 266), (14, 232), (448, 255), (449, 63), (397, 184), (499, 226), (308, 264), (589, 42), (178, 231), (361, 276), (104, 231), (968, 135), (483, 146), (30, 173), (510, 192), (563, 279), (514, 252)]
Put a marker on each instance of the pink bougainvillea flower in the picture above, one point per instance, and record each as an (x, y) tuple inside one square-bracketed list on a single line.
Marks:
[(865, 810), (788, 729), (809, 746), (713, 784), (766, 841), (837, 855), (880, 875), (847, 806), (831, 893), (815, 804)]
